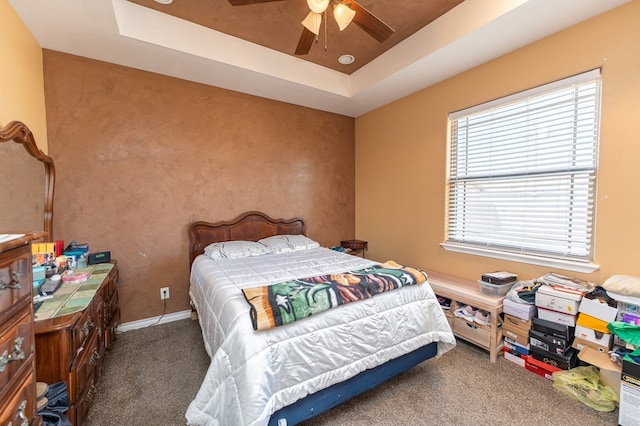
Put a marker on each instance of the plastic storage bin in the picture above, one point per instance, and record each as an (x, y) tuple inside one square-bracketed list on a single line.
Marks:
[(495, 289)]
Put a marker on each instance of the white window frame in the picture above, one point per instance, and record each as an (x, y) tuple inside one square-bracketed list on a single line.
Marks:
[(480, 241)]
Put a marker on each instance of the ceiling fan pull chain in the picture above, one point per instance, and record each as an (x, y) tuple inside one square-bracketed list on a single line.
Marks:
[(325, 29)]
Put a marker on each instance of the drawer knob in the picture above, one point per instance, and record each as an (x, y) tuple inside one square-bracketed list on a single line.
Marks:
[(16, 355), (91, 393), (21, 414), (15, 283), (94, 357), (87, 326)]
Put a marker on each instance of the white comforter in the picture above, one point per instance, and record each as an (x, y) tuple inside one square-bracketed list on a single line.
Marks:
[(255, 373)]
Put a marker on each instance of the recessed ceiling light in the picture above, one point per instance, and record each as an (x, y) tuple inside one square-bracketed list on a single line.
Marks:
[(346, 59), (164, 1)]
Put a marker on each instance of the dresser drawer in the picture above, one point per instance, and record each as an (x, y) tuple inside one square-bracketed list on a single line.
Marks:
[(79, 410), (15, 280), (84, 370), (83, 328), (472, 332), (19, 407), (16, 345), (112, 310), (110, 285)]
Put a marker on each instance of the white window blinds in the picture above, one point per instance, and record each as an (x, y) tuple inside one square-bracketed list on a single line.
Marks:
[(522, 171)]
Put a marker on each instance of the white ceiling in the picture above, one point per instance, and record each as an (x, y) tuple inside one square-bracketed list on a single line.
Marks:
[(128, 34)]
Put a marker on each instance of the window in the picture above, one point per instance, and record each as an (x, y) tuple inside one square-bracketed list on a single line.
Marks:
[(522, 175)]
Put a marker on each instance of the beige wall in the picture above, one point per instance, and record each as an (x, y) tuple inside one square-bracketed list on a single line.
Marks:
[(401, 151), (140, 156), (21, 80)]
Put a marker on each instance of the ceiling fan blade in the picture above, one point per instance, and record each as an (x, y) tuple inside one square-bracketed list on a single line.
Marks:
[(305, 42), (369, 22), (246, 2)]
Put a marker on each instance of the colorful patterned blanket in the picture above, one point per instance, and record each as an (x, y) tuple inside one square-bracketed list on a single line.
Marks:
[(288, 301)]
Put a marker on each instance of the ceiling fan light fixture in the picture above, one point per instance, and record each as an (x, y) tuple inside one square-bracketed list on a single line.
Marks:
[(343, 15), (312, 22), (318, 6)]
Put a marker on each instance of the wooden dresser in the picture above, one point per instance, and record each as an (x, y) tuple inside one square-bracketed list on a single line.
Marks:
[(73, 331), (17, 349)]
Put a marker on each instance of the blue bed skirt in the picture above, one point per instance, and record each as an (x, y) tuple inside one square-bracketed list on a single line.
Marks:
[(326, 399)]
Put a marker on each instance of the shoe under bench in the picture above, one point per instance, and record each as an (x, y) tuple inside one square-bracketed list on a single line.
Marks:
[(468, 292)]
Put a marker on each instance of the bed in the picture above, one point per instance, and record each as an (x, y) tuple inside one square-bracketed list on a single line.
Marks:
[(289, 373)]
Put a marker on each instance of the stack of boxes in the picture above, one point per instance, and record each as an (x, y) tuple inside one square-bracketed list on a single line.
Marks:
[(629, 380), (591, 326), (569, 324), (597, 310), (518, 318), (553, 331), (551, 349), (558, 304)]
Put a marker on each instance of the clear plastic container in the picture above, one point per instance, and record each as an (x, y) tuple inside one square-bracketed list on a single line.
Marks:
[(495, 289)]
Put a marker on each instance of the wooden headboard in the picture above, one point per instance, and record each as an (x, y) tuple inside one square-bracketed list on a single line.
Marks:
[(250, 226)]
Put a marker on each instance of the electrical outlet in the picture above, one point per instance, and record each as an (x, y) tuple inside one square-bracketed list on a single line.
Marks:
[(164, 293)]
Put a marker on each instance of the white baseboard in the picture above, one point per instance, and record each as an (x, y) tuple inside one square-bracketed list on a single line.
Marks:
[(147, 322)]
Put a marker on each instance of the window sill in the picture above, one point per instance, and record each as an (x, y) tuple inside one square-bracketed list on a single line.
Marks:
[(575, 266)]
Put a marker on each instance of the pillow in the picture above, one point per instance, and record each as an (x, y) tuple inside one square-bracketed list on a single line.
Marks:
[(626, 285), (288, 243), (235, 249)]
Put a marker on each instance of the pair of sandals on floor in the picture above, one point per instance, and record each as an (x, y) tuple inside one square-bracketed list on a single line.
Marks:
[(52, 403)]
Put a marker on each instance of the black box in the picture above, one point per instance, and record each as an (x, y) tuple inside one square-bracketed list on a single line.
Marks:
[(499, 277), (565, 362), (553, 328), (549, 342), (99, 257), (629, 415)]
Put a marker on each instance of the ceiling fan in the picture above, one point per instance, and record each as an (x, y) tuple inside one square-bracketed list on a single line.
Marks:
[(344, 12)]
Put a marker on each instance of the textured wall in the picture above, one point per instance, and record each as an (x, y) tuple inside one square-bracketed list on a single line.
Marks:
[(139, 156)]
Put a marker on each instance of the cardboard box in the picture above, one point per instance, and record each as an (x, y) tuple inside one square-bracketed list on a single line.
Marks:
[(549, 327), (562, 301), (517, 335), (593, 323), (609, 370), (514, 357), (514, 346), (557, 317), (549, 342), (520, 310), (540, 368), (629, 308), (519, 323), (629, 413), (580, 344), (598, 338), (631, 319), (564, 362), (598, 309)]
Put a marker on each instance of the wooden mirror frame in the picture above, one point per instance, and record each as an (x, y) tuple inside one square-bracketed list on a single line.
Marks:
[(18, 132)]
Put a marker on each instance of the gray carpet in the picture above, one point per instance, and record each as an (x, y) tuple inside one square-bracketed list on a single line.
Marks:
[(152, 374)]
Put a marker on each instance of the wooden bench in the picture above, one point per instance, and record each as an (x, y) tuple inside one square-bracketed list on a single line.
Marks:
[(468, 292)]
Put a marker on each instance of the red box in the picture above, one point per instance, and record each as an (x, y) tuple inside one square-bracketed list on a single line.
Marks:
[(515, 357), (540, 368)]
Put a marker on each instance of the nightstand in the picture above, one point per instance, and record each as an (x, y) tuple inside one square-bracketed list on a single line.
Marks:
[(355, 246)]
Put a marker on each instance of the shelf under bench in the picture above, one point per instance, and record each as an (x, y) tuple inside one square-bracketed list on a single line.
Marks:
[(468, 292)]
